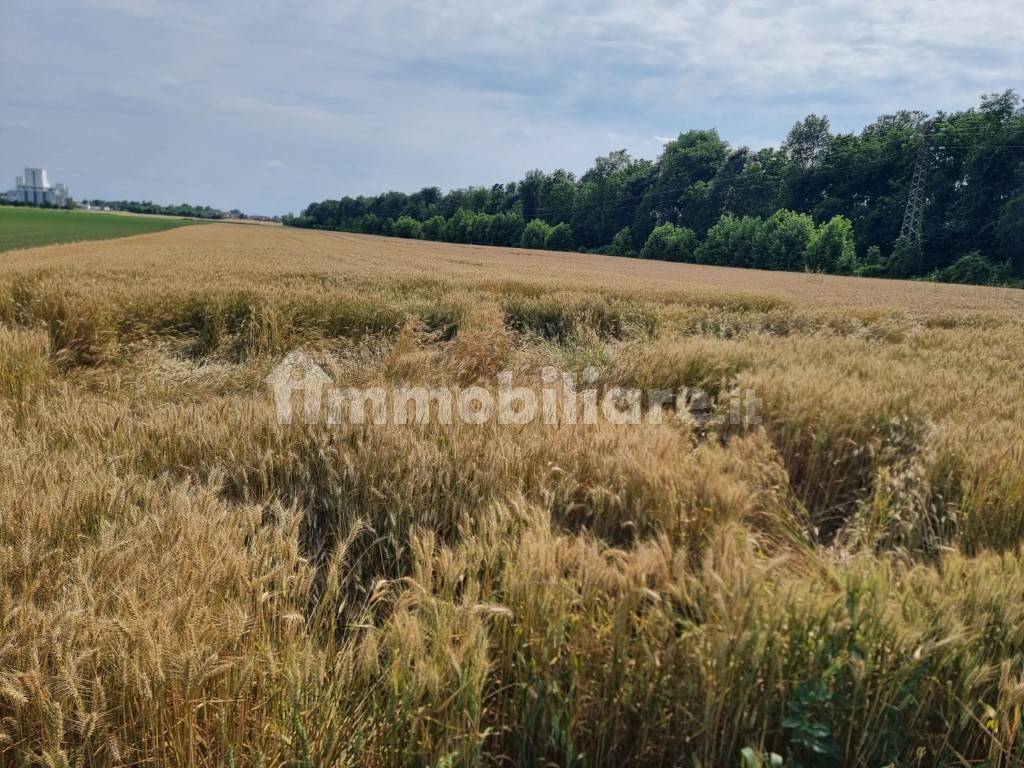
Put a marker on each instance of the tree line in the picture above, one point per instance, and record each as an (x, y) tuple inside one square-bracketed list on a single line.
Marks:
[(822, 201), (156, 209)]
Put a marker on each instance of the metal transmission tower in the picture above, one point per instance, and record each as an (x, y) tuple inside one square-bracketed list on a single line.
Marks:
[(912, 217)]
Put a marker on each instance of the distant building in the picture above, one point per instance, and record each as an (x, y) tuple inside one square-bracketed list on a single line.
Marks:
[(34, 189)]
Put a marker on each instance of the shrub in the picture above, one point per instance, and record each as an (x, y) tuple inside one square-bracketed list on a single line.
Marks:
[(733, 241), (535, 234), (670, 243), (832, 248), (560, 238), (434, 228), (505, 229), (971, 268), (622, 243), (407, 227), (784, 241), (873, 264), (480, 228), (905, 260), (1010, 231), (458, 228)]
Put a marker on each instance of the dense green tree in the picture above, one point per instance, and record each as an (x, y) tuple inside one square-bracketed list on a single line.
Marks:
[(733, 241), (784, 240), (831, 248), (434, 228), (975, 168), (407, 227), (670, 243), (754, 208), (560, 238), (505, 229), (529, 194), (1010, 231), (972, 268), (864, 177), (535, 234), (905, 259), (622, 243), (680, 190), (808, 140), (557, 195), (372, 224), (479, 228), (750, 183), (607, 198), (459, 227), (873, 264)]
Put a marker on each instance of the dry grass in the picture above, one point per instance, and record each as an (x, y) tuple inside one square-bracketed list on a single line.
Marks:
[(183, 581)]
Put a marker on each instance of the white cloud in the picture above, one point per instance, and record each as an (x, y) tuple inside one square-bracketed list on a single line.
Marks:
[(785, 46), (359, 97)]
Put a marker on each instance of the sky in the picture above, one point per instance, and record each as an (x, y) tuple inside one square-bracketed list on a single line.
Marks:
[(268, 105)]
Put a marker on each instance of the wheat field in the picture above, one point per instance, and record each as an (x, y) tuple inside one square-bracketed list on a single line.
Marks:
[(185, 581)]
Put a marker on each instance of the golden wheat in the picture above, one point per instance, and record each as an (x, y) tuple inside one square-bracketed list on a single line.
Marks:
[(185, 581)]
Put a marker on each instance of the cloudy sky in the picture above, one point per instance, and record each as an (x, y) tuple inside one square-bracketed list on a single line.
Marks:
[(268, 105)]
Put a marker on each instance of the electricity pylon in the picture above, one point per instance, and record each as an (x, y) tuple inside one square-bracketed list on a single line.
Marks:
[(910, 232)]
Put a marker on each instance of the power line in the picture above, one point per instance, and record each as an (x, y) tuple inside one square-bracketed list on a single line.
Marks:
[(741, 182)]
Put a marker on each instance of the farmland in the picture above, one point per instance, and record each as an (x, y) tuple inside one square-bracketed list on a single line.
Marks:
[(33, 227), (185, 580)]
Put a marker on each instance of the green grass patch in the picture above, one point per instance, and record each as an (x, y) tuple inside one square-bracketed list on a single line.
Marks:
[(33, 227)]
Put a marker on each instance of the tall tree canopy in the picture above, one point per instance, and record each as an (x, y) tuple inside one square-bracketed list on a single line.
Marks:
[(822, 200)]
